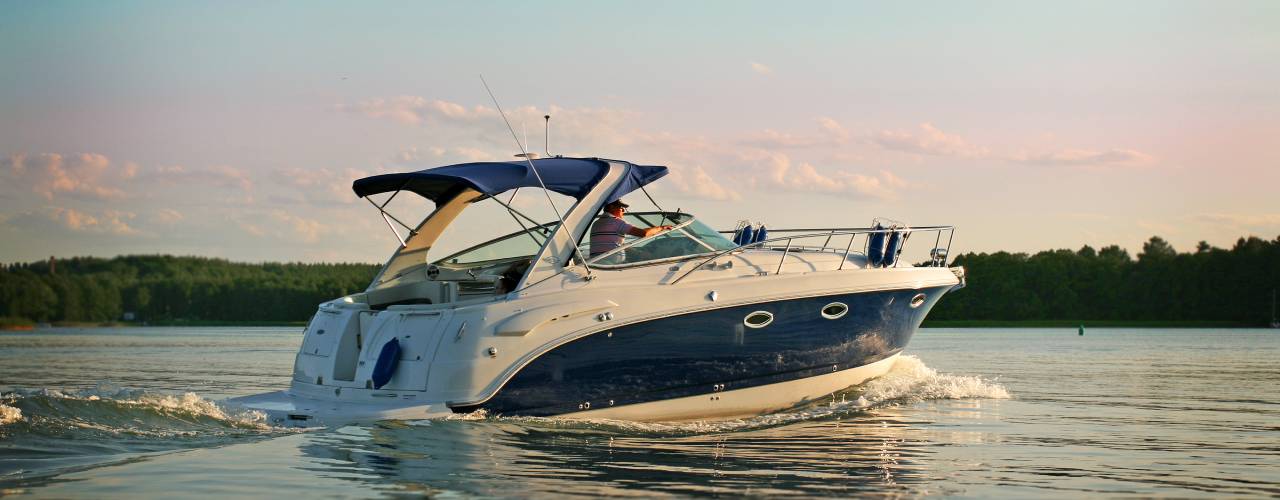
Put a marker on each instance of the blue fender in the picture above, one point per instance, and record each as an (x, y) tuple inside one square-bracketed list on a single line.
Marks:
[(388, 359), (875, 247), (893, 248), (746, 236)]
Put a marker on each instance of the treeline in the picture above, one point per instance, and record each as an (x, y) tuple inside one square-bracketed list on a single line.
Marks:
[(172, 289), (1205, 285)]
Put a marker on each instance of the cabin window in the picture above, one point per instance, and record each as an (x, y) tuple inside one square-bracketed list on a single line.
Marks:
[(758, 319), (834, 310)]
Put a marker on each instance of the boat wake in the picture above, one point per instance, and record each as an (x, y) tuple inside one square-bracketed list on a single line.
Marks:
[(121, 412), (908, 382), (46, 430)]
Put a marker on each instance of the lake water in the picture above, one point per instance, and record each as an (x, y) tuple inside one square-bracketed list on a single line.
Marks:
[(969, 413)]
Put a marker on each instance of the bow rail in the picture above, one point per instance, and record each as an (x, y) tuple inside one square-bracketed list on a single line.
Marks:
[(937, 256)]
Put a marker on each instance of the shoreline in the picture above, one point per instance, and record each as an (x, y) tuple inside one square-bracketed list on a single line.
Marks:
[(1051, 323), (1062, 323), (129, 324)]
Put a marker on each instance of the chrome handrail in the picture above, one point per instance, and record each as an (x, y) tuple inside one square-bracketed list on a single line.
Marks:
[(852, 232)]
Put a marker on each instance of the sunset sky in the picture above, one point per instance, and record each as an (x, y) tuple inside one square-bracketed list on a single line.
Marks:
[(234, 129)]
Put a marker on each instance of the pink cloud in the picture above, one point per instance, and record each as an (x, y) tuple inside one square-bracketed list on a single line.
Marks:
[(217, 176), (777, 171), (1073, 157), (929, 140), (105, 222), (695, 182), (82, 174), (415, 110)]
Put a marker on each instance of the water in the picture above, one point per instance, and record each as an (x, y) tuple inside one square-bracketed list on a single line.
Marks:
[(970, 413)]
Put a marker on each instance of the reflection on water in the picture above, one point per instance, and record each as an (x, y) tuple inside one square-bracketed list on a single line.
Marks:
[(1044, 412), (860, 441), (853, 453)]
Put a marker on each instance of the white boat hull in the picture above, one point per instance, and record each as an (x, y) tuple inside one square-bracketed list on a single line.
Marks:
[(283, 408)]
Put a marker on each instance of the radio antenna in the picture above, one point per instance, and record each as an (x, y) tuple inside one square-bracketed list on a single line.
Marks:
[(546, 136), (525, 155)]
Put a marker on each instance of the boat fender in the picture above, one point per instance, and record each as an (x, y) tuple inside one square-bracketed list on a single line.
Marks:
[(761, 234), (893, 248), (386, 365), (875, 247), (747, 236)]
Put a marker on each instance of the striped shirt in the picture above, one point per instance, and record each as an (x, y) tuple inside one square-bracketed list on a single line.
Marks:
[(607, 233)]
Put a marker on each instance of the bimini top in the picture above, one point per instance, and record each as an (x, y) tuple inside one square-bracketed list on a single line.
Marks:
[(568, 176)]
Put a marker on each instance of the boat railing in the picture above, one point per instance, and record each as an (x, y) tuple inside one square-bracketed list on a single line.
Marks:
[(937, 255)]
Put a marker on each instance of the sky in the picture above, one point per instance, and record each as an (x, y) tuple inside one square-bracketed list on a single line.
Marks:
[(235, 129)]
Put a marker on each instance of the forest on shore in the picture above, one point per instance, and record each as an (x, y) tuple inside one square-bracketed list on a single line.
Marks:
[(1103, 286), (162, 289)]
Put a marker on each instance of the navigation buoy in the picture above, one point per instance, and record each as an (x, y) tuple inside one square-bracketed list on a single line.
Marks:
[(1081, 330)]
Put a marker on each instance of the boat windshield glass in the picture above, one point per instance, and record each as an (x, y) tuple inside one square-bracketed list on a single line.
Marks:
[(517, 244), (464, 229), (690, 237)]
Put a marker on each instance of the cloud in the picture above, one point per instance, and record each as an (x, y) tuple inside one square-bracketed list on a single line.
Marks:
[(928, 140), (695, 182), (113, 222), (830, 134), (223, 176), (434, 156), (281, 225), (319, 186), (761, 69), (307, 230), (777, 171), (415, 110), (1262, 222), (252, 229), (582, 127), (85, 175), (167, 216), (1078, 157)]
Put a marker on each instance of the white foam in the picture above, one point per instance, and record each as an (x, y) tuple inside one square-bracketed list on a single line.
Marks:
[(186, 404), (9, 414), (910, 381)]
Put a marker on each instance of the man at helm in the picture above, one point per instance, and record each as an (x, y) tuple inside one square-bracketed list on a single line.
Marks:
[(609, 229)]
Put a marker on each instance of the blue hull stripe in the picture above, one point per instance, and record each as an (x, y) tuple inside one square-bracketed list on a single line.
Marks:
[(691, 354)]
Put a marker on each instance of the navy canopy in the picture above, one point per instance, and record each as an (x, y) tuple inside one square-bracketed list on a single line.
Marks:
[(568, 176)]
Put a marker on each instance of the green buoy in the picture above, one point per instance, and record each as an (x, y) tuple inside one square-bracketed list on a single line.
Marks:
[(1082, 330)]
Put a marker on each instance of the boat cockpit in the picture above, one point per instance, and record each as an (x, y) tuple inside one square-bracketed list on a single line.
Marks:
[(495, 267)]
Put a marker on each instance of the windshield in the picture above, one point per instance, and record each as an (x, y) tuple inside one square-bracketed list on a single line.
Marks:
[(517, 244), (464, 229), (690, 237)]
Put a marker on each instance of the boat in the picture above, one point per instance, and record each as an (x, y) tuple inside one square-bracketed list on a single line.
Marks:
[(690, 323)]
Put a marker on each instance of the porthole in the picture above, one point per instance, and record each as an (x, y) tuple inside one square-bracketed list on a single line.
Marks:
[(758, 319), (917, 300), (834, 310)]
